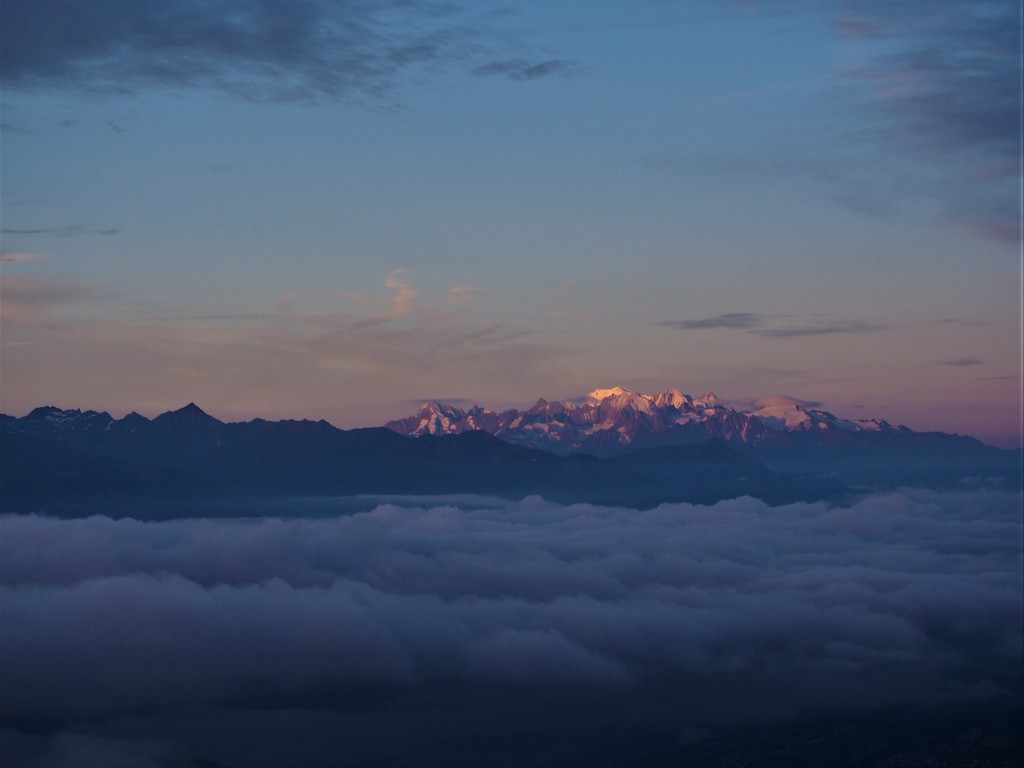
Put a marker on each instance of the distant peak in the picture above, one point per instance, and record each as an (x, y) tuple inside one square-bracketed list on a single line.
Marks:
[(436, 406), (604, 394), (191, 413), (53, 415), (46, 410), (673, 398)]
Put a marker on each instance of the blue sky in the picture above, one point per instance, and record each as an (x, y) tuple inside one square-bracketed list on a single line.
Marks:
[(336, 210)]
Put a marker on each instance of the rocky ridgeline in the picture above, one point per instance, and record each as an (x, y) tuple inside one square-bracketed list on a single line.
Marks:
[(616, 420)]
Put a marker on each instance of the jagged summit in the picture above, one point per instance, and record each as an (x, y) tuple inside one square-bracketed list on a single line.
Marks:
[(191, 411), (603, 394), (71, 418), (614, 419), (190, 414)]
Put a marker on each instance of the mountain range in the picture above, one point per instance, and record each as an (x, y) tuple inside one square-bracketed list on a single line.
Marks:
[(614, 421), (613, 447), (780, 431)]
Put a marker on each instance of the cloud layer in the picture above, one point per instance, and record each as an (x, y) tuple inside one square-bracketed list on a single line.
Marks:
[(944, 78), (950, 75), (447, 633), (270, 49), (278, 50)]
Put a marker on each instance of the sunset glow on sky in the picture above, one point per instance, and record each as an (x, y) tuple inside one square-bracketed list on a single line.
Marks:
[(323, 210)]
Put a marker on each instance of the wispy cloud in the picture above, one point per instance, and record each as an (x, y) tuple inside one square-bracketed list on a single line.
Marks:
[(275, 364), (492, 336), (948, 73), (218, 318), (847, 180), (768, 325), (938, 81), (963, 321), (19, 257), (404, 300), (30, 301), (520, 69), (961, 362), (69, 230), (402, 303), (821, 329), (273, 50), (459, 294), (944, 78), (729, 320)]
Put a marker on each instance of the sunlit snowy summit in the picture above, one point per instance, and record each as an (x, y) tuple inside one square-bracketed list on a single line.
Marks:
[(609, 421)]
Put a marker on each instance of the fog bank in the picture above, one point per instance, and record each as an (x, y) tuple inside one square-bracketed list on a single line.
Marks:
[(442, 635)]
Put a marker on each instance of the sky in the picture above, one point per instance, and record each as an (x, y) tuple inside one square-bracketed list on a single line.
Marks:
[(339, 210)]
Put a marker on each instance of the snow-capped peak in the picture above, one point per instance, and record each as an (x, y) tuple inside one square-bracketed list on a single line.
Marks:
[(780, 412), (603, 394), (614, 418), (436, 418), (620, 398), (673, 398), (55, 416)]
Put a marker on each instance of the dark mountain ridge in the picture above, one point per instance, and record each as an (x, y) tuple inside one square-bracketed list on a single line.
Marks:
[(56, 459)]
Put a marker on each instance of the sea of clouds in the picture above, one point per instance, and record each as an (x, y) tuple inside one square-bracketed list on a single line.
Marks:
[(494, 632)]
